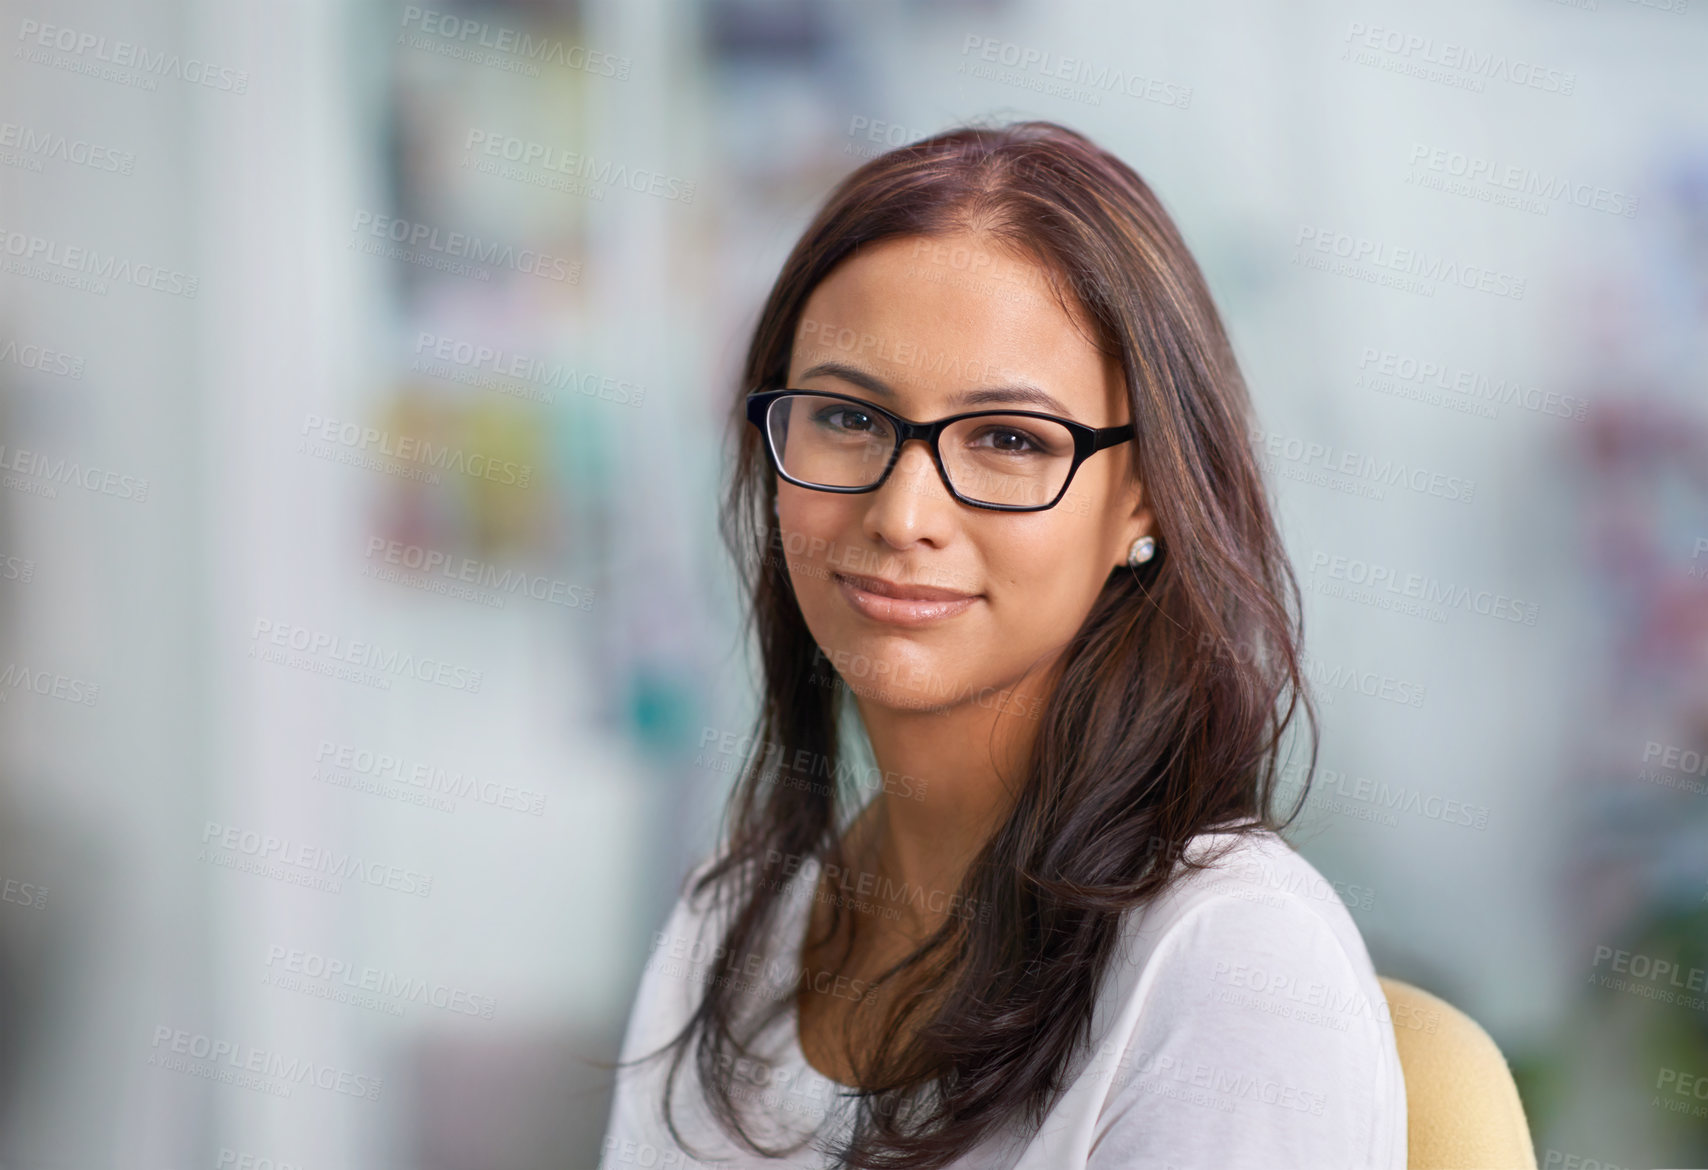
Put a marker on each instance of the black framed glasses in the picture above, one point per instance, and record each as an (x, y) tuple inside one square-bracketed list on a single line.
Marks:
[(1008, 460)]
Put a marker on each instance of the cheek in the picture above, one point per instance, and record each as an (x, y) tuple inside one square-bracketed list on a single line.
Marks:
[(1048, 572), (810, 539)]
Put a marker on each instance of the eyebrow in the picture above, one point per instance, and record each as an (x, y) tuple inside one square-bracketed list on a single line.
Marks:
[(1019, 392)]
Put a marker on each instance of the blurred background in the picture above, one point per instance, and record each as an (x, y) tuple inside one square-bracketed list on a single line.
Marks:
[(367, 651)]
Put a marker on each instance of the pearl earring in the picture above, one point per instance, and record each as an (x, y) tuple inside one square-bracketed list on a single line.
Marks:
[(1144, 548)]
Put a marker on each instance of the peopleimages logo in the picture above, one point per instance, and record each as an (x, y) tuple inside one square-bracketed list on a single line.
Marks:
[(491, 367), (41, 359), (1333, 677), (15, 568), (455, 32), (879, 136), (126, 55), (1367, 799), (461, 246), (230, 1159), (1070, 77), (429, 563), (388, 768), (1519, 182), (1676, 758), (873, 891), (523, 152), (43, 475), (1449, 62), (1430, 591), (1382, 368), (227, 1060), (49, 684), (889, 351), (317, 645), (1408, 268), (21, 893), (411, 449), (270, 851), (88, 268), (1383, 471), (37, 145), (284, 962), (1661, 979)]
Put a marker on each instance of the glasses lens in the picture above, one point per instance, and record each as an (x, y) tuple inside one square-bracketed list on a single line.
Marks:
[(829, 441), (1011, 459)]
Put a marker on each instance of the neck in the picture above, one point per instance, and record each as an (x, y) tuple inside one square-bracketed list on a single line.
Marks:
[(950, 776)]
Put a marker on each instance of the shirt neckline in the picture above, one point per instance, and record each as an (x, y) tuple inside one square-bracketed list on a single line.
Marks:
[(799, 894)]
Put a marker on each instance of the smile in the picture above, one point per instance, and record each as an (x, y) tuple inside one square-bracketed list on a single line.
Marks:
[(901, 605)]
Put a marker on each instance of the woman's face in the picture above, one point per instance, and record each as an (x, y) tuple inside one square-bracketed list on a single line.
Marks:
[(919, 601)]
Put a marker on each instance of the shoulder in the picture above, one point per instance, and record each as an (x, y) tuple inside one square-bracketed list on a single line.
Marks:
[(687, 951), (1245, 992), (703, 905), (1257, 920), (1245, 888), (681, 956), (694, 927)]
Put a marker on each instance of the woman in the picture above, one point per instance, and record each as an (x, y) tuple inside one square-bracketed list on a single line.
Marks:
[(1004, 531)]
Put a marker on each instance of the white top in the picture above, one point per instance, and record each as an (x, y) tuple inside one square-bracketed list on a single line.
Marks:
[(1240, 1025)]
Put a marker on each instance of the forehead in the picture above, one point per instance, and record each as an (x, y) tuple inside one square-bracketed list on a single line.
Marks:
[(933, 317)]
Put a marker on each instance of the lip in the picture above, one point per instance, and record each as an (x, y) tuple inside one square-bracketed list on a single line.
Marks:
[(901, 605)]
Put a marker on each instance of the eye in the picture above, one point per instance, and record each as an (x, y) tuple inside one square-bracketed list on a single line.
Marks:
[(848, 419), (1007, 440)]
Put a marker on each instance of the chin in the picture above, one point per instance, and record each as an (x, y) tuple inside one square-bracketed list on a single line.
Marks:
[(899, 698), (891, 669)]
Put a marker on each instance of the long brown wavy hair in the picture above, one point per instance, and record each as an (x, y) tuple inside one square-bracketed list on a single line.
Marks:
[(1170, 706)]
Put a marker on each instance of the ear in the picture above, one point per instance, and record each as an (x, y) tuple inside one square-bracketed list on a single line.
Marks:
[(1142, 523), (1141, 520)]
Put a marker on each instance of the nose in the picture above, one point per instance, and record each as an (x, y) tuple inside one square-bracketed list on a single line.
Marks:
[(913, 503), (917, 470)]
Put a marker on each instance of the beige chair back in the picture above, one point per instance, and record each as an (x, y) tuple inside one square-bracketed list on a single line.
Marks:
[(1462, 1107)]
